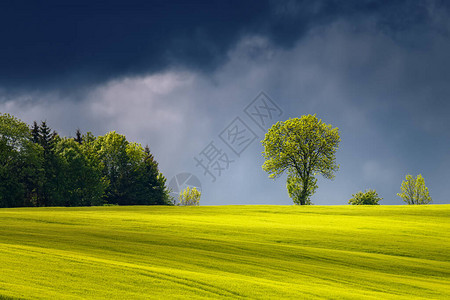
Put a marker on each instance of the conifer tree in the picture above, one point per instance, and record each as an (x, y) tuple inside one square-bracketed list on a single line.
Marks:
[(78, 137)]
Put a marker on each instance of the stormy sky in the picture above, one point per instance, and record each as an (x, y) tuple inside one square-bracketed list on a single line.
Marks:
[(180, 75)]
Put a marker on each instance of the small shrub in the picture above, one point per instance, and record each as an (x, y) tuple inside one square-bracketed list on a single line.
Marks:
[(189, 197), (369, 197)]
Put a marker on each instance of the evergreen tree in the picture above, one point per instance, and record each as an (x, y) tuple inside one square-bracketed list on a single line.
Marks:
[(78, 137), (149, 179), (45, 137), (159, 192), (35, 133), (51, 189), (131, 172)]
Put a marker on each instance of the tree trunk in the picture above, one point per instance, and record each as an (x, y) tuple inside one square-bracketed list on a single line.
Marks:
[(304, 193)]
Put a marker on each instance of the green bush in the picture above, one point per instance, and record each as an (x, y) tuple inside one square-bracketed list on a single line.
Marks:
[(369, 197)]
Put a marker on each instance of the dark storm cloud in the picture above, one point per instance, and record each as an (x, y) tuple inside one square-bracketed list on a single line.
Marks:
[(62, 44)]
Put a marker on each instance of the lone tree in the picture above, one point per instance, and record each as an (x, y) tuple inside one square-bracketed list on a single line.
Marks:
[(414, 190), (369, 197), (189, 197), (303, 148)]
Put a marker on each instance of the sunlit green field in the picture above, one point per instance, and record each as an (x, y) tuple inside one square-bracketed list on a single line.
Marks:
[(376, 252)]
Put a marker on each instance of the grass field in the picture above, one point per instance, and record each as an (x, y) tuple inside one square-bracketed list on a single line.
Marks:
[(374, 252)]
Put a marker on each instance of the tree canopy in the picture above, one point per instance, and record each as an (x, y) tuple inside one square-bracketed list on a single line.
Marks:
[(302, 147), (414, 190), (20, 163)]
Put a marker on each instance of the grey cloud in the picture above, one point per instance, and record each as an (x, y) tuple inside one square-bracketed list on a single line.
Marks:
[(72, 47)]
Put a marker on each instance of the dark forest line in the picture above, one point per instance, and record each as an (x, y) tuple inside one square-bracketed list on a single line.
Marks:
[(40, 168)]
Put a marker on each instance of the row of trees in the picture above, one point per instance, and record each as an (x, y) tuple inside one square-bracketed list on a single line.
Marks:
[(40, 168), (306, 147)]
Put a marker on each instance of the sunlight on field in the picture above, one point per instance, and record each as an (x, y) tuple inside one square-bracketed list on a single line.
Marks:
[(230, 251)]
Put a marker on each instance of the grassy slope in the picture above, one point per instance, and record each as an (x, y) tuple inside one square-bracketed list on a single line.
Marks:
[(231, 251)]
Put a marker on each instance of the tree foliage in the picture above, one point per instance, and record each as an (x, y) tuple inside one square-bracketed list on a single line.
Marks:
[(50, 193), (20, 164), (414, 190), (189, 197), (80, 178), (302, 147), (294, 187), (39, 168), (130, 171), (369, 197)]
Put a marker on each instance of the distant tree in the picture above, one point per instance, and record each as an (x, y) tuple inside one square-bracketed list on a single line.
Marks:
[(144, 185), (80, 180), (136, 185), (78, 137), (35, 133), (189, 197), (154, 181), (20, 163), (131, 172), (111, 149), (303, 148), (46, 137), (414, 190), (163, 191), (50, 193), (369, 197)]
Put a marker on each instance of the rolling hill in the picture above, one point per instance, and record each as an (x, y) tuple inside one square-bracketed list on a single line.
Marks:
[(346, 252)]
